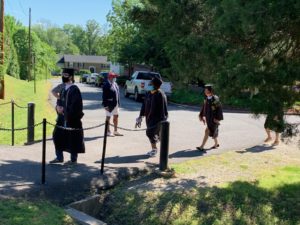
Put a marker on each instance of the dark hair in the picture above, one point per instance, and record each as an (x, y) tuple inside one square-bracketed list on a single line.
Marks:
[(209, 88)]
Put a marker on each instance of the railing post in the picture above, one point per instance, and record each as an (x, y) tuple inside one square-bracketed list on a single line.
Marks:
[(12, 122), (164, 145), (44, 152), (30, 123), (104, 145)]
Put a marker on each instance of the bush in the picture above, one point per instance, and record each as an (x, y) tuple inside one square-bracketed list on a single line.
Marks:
[(81, 72)]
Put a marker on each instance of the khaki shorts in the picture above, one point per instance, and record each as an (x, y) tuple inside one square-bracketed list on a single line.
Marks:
[(115, 112)]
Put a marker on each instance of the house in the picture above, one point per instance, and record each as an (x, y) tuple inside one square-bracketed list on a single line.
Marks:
[(95, 64)]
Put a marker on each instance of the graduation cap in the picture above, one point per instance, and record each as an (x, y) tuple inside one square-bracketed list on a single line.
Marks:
[(156, 81), (209, 87), (69, 71)]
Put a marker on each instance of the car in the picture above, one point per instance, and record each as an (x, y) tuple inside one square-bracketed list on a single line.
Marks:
[(139, 84), (100, 79), (92, 78), (84, 77)]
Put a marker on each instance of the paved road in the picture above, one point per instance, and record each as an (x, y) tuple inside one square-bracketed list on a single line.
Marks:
[(238, 130), (20, 166)]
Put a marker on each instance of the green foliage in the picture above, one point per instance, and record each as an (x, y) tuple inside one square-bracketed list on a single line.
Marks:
[(242, 47), (186, 96)]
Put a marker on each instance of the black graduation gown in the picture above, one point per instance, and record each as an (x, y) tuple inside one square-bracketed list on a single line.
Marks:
[(65, 140), (211, 110), (154, 108)]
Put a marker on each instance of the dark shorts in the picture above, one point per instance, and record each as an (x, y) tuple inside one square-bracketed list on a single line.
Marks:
[(274, 125), (213, 130), (153, 133)]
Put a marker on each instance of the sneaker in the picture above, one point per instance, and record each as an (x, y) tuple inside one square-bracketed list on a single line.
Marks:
[(71, 162), (152, 153), (54, 161), (116, 133), (110, 134)]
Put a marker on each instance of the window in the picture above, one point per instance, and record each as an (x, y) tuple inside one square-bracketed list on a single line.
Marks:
[(147, 76)]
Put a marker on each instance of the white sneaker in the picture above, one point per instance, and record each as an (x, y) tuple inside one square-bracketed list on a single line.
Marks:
[(110, 134), (152, 153), (116, 133)]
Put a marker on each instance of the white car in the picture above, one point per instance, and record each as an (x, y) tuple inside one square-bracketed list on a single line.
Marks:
[(139, 84), (92, 78)]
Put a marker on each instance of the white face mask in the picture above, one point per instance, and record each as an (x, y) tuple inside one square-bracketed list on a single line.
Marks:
[(151, 88), (114, 80)]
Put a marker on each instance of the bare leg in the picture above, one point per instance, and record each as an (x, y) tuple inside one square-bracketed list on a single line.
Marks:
[(115, 120), (276, 142), (108, 119), (154, 146), (269, 138), (205, 138), (216, 142)]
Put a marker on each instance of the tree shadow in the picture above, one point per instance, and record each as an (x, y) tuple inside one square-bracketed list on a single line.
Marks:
[(237, 203), (125, 159)]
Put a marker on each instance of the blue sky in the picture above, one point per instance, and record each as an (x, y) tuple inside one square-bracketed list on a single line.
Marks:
[(59, 12)]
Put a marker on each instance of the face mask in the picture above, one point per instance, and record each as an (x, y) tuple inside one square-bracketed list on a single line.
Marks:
[(65, 79), (114, 79), (151, 88)]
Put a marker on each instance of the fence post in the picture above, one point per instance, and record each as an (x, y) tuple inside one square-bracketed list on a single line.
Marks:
[(44, 152), (164, 145), (104, 145), (12, 122), (30, 123)]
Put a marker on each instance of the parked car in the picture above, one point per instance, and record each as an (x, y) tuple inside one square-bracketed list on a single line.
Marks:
[(92, 78), (139, 84), (100, 79), (83, 78)]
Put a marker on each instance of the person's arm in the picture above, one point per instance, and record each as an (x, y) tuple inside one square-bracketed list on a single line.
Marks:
[(142, 111), (201, 114), (105, 95), (218, 110), (56, 91)]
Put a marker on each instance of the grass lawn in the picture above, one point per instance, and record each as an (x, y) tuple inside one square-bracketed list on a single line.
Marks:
[(272, 199), (22, 212), (22, 93), (242, 187)]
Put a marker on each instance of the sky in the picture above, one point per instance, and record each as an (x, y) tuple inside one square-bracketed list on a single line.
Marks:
[(59, 12)]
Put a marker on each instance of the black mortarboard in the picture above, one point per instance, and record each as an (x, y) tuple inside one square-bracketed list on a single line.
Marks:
[(156, 81), (69, 71), (209, 87)]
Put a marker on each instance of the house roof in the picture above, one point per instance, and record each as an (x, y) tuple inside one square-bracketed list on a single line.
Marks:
[(83, 59)]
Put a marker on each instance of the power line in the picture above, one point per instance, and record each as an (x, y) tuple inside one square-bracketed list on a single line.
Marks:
[(22, 8)]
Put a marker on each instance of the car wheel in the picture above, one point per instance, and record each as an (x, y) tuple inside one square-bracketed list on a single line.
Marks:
[(137, 96), (126, 93)]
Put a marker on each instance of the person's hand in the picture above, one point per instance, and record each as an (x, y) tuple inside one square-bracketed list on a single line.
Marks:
[(60, 109), (216, 121), (106, 108), (202, 119), (138, 122)]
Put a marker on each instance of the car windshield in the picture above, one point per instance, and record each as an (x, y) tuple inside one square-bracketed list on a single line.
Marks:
[(147, 76)]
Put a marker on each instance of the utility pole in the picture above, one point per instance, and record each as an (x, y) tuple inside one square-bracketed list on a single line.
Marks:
[(29, 48), (2, 90), (34, 77)]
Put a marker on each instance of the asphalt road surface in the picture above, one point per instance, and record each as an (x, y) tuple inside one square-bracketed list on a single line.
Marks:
[(237, 131)]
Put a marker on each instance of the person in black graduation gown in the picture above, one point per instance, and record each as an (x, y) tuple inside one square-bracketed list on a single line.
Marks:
[(69, 109), (211, 114), (154, 109)]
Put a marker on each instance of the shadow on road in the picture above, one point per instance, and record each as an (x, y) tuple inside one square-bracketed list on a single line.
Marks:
[(188, 153), (257, 149)]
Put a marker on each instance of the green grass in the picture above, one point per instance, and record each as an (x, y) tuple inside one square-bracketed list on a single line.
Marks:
[(272, 199), (22, 93), (21, 212)]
